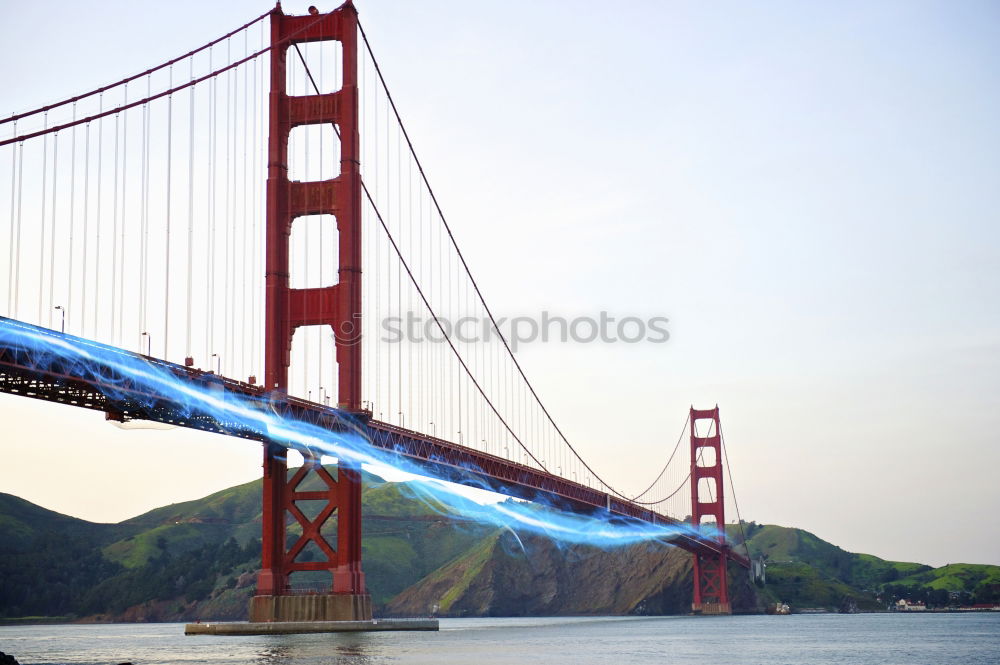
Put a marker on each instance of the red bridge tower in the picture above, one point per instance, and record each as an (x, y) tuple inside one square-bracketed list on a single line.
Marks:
[(711, 589), (338, 306)]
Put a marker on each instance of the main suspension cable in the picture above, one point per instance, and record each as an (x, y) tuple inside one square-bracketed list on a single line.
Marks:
[(125, 81), (420, 291), (165, 93), (468, 272), (669, 460), (725, 456), (447, 337)]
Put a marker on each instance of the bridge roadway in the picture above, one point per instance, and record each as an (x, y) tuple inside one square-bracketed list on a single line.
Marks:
[(100, 387)]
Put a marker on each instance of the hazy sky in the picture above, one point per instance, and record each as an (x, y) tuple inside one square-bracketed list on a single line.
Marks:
[(810, 193)]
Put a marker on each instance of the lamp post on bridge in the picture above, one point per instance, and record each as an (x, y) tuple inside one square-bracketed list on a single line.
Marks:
[(62, 311), (218, 363), (149, 343)]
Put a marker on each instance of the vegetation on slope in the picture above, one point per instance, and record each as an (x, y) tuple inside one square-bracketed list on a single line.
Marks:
[(507, 575), (191, 576), (22, 521), (806, 571), (48, 560), (956, 583), (197, 560)]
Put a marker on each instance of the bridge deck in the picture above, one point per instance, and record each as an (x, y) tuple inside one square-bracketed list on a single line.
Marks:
[(99, 386)]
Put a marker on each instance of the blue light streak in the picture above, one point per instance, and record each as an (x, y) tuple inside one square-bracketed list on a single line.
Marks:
[(122, 373)]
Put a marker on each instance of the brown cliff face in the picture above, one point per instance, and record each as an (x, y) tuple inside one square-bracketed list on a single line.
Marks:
[(500, 577)]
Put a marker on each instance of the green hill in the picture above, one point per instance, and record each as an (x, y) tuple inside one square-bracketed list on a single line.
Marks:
[(185, 527), (966, 583), (197, 560), (804, 571), (495, 577), (48, 560), (22, 522), (955, 577)]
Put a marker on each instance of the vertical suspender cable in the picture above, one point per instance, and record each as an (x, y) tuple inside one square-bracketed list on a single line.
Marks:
[(257, 132), (366, 244), (258, 329), (423, 344), (100, 182), (443, 359), (17, 253), (458, 366), (246, 258), (188, 353), (10, 247), (389, 265), (210, 199), (378, 263), (244, 282), (234, 277), (13, 197), (256, 180), (41, 225), (144, 216), (471, 360), (52, 227), (121, 264), (147, 195), (72, 216), (409, 306), (170, 153), (225, 309), (399, 277), (114, 239), (86, 220), (233, 214)]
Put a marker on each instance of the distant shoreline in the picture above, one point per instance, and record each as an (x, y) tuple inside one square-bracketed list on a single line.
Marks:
[(88, 621)]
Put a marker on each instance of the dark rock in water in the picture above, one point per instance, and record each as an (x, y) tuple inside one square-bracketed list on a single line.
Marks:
[(6, 659)]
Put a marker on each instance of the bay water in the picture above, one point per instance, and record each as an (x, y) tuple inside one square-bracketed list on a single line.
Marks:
[(855, 639)]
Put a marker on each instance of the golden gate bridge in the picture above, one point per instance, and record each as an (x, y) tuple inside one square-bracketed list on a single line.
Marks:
[(212, 243)]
